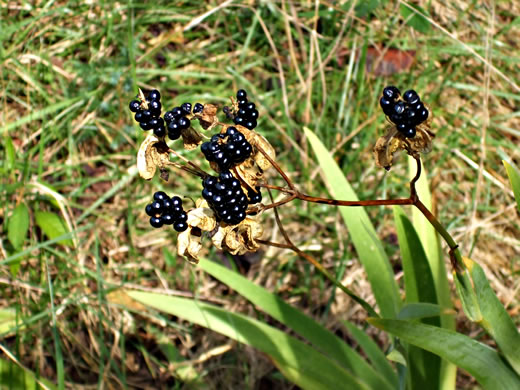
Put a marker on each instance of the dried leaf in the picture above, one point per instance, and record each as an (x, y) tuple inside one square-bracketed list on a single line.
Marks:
[(249, 173), (388, 61), (152, 154)]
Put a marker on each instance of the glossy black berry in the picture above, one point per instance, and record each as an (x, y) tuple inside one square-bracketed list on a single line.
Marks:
[(411, 97), (139, 116), (255, 197), (145, 125), (177, 112), (155, 107), (391, 93), (399, 108), (250, 124), (154, 95), (180, 226), (241, 94), (409, 132), (167, 219), (160, 195), (156, 222), (168, 116), (134, 105), (186, 107), (198, 107), (149, 210), (183, 122), (387, 105), (422, 115)]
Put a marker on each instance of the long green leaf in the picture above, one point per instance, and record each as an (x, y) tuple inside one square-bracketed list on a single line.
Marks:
[(495, 318), (373, 353), (430, 241), (514, 178), (482, 362), (303, 365), (419, 287), (364, 237), (320, 337)]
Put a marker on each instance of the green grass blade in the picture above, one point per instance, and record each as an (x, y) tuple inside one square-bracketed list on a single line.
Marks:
[(416, 311), (18, 226), (304, 366), (495, 318), (373, 353), (320, 337), (366, 242), (419, 287), (482, 362), (514, 178)]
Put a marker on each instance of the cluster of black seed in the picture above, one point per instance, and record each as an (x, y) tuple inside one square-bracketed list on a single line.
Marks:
[(149, 115), (226, 198), (176, 120), (406, 113), (227, 149), (247, 114), (167, 211)]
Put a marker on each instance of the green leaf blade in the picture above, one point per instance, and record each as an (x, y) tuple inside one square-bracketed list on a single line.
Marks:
[(482, 362), (319, 336), (18, 226), (305, 366), (52, 225), (364, 237)]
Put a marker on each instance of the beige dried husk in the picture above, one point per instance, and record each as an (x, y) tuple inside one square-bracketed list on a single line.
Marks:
[(388, 145), (239, 239), (153, 153)]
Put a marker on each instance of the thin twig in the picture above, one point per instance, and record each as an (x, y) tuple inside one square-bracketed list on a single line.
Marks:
[(319, 266)]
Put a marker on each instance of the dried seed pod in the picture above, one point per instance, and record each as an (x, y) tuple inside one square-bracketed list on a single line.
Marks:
[(152, 154), (388, 145)]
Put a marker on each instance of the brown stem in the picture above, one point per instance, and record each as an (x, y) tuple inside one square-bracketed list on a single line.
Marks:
[(319, 266), (277, 167)]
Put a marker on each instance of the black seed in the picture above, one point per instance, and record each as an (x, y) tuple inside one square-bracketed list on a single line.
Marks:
[(207, 194), (177, 111), (167, 204), (160, 195), (146, 114), (391, 92), (225, 176), (250, 124), (387, 105), (167, 219), (253, 114), (399, 108), (411, 96), (209, 181), (231, 130), (241, 94), (154, 95), (186, 107), (155, 107), (238, 120), (139, 116), (145, 125), (180, 226), (149, 210), (198, 108), (174, 134), (239, 137), (134, 105), (176, 201), (182, 217), (156, 222), (184, 122), (409, 132), (422, 115), (216, 199), (242, 103), (168, 116)]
